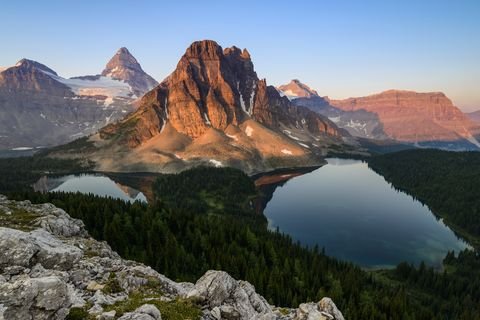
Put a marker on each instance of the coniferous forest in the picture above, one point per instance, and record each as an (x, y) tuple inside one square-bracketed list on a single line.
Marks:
[(203, 219)]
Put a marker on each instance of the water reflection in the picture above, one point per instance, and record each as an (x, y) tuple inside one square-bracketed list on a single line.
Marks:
[(357, 216), (97, 184)]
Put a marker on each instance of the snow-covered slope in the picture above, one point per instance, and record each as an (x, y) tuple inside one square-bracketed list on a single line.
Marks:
[(98, 86), (39, 107)]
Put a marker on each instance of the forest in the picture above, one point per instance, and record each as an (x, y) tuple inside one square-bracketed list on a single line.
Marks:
[(448, 182), (203, 219)]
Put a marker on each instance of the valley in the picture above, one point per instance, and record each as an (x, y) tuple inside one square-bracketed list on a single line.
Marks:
[(190, 205)]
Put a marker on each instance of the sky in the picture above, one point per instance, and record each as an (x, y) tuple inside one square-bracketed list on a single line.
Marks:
[(340, 48)]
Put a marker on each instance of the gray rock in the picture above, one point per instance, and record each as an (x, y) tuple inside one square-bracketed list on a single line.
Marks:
[(327, 305), (16, 247), (37, 298), (145, 312), (234, 299), (107, 315), (45, 272)]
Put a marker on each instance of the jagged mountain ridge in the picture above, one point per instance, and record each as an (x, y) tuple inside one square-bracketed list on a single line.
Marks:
[(358, 123), (423, 119), (214, 109), (40, 108)]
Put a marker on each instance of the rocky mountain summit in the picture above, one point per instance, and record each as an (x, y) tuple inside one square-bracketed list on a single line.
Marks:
[(123, 66), (358, 123), (40, 108), (296, 89), (50, 268), (213, 109), (424, 119)]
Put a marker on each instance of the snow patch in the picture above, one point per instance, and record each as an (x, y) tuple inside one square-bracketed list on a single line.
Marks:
[(286, 151), (43, 116), (249, 131), (304, 145), (21, 148), (252, 98), (232, 137), (290, 94), (334, 119), (103, 86), (216, 163), (207, 121)]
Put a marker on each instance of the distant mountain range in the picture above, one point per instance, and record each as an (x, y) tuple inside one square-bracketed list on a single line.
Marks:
[(40, 108), (213, 109), (475, 116), (421, 119)]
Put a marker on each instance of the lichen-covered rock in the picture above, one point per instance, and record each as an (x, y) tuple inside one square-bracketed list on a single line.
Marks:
[(234, 299), (46, 273), (145, 312), (34, 298)]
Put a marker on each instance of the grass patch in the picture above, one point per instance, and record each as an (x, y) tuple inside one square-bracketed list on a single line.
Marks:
[(18, 219), (179, 309)]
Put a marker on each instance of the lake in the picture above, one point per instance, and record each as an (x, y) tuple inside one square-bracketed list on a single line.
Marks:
[(357, 216), (98, 184)]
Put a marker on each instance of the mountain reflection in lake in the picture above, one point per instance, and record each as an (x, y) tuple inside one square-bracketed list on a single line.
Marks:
[(97, 184)]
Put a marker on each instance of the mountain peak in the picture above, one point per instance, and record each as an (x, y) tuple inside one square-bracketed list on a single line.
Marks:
[(124, 66), (205, 49), (28, 64), (296, 89)]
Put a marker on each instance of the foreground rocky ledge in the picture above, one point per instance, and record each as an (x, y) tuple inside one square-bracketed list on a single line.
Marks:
[(50, 268)]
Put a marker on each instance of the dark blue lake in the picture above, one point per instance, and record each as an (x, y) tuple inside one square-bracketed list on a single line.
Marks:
[(357, 216)]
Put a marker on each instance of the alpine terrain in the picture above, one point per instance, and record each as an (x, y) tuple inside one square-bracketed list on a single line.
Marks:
[(213, 109), (424, 119), (39, 108)]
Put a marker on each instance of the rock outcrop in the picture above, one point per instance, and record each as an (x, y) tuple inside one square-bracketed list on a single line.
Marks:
[(214, 109), (51, 268)]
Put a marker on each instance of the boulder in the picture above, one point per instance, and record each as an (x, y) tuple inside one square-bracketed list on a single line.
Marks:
[(145, 312), (233, 299), (35, 298)]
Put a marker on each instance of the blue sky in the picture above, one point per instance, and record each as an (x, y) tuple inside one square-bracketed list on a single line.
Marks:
[(340, 48)]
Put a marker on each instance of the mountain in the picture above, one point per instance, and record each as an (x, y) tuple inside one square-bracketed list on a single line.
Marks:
[(213, 109), (424, 119), (40, 108), (428, 119), (50, 267), (474, 116), (123, 66), (358, 123), (296, 89)]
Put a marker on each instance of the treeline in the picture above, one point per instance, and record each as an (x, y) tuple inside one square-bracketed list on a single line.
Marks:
[(20, 173), (448, 182), (202, 219)]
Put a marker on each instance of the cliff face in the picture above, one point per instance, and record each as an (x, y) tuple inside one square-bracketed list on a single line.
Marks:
[(215, 88), (213, 108), (415, 117), (50, 267)]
